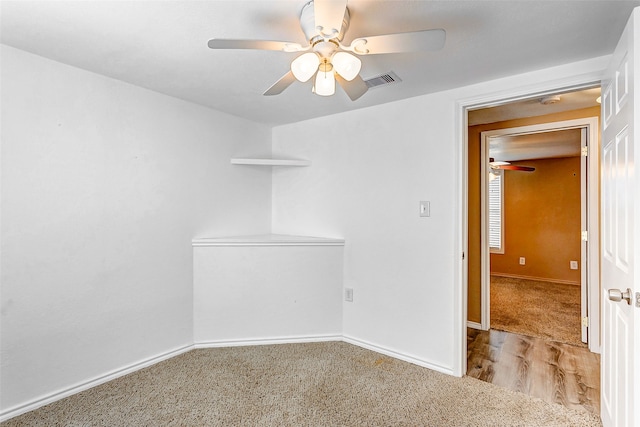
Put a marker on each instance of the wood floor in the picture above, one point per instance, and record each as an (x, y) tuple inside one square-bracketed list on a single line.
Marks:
[(552, 371)]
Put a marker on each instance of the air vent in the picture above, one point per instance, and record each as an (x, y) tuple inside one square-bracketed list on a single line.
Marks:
[(382, 80)]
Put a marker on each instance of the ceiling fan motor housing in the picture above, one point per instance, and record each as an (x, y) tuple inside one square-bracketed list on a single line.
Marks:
[(308, 24)]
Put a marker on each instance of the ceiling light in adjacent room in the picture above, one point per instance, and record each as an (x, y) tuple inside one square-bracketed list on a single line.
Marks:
[(548, 100)]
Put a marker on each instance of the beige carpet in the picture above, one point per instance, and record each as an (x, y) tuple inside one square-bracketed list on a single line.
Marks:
[(317, 384), (538, 309)]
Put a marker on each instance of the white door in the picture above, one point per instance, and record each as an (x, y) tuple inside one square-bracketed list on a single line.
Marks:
[(620, 386)]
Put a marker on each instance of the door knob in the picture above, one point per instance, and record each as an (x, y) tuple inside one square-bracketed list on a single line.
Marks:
[(617, 295)]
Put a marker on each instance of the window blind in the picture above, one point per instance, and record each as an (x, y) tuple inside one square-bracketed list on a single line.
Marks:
[(495, 210)]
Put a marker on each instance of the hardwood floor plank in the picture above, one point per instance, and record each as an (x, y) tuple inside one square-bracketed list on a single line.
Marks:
[(553, 371), (514, 362)]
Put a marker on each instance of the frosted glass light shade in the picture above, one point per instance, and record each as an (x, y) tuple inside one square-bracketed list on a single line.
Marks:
[(304, 66), (325, 83), (347, 65)]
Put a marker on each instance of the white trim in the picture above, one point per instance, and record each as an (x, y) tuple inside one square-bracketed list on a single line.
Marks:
[(400, 356), (593, 221), (537, 279), (593, 237), (485, 255), (460, 243), (267, 341), (474, 325), (85, 385), (585, 173), (267, 240)]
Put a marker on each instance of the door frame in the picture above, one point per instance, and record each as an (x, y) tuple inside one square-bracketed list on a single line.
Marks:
[(461, 246), (590, 209)]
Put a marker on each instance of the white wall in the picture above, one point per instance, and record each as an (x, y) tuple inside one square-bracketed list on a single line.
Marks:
[(104, 185), (371, 167), (263, 291)]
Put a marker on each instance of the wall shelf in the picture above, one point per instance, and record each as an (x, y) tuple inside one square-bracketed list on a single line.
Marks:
[(270, 162)]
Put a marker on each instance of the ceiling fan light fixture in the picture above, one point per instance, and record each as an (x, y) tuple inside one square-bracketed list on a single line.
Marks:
[(325, 84), (305, 66), (324, 23), (347, 65)]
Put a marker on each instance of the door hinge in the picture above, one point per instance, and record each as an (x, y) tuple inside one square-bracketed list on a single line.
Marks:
[(584, 235), (585, 151), (585, 321)]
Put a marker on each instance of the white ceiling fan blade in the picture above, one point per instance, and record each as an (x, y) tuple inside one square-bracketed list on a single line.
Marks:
[(256, 44), (354, 88), (329, 15), (415, 41), (284, 82)]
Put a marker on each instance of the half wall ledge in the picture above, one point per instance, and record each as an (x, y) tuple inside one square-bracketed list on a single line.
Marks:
[(268, 240)]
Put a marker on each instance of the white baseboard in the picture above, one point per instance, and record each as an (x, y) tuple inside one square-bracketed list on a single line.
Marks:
[(537, 279), (474, 325), (85, 385), (267, 341), (398, 355), (77, 388)]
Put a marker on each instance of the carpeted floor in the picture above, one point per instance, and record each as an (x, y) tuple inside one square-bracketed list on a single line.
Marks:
[(316, 384), (538, 309)]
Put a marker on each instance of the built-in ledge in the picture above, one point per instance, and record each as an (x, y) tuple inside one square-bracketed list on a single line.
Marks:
[(266, 288), (267, 240)]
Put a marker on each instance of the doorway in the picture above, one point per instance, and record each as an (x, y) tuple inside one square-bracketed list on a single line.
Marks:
[(490, 141), (581, 116), (549, 215)]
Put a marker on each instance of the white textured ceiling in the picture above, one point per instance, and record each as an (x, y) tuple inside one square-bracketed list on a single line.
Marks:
[(162, 45), (542, 145), (535, 107)]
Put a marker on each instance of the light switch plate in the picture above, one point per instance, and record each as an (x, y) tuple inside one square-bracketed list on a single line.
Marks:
[(425, 208), (348, 294)]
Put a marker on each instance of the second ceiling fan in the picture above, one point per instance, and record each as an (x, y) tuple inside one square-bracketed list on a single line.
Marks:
[(497, 165), (324, 23)]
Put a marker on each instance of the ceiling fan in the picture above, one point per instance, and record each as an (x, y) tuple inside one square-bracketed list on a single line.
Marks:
[(324, 23), (494, 165)]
